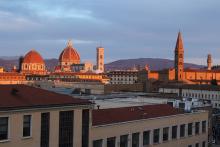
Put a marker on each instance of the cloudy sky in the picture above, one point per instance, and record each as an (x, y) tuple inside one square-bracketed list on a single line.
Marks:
[(126, 28)]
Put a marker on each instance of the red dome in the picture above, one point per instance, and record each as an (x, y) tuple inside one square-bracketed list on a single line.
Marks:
[(69, 54), (33, 57)]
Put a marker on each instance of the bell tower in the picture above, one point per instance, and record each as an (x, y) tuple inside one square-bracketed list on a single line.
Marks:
[(209, 62), (179, 59), (100, 59)]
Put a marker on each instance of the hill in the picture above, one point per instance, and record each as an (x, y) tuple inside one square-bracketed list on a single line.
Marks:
[(154, 63)]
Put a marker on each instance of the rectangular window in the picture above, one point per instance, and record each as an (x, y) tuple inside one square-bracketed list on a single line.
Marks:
[(27, 126), (85, 128), (111, 142), (3, 128), (182, 130), (197, 128), (97, 143), (146, 137), (156, 135), (124, 141), (174, 132), (45, 129), (165, 133), (203, 144), (189, 128), (135, 140), (66, 129), (203, 126), (189, 145), (197, 145)]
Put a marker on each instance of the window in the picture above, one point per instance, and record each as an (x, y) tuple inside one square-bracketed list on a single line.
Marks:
[(3, 128), (111, 142), (197, 145), (135, 140), (85, 128), (203, 126), (182, 130), (189, 145), (197, 128), (203, 144), (174, 132), (124, 141), (190, 129), (146, 137), (165, 133), (66, 129), (45, 129), (156, 135), (27, 126), (97, 143)]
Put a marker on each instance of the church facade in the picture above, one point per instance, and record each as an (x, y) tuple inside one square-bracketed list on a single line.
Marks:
[(185, 75)]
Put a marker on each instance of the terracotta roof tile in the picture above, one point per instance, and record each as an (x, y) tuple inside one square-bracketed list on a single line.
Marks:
[(22, 96), (117, 115)]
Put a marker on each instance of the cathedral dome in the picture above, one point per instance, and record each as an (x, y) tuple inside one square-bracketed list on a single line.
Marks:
[(69, 55), (33, 57)]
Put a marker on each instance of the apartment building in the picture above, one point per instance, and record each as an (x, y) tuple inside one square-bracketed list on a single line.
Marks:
[(123, 76), (205, 92), (150, 125), (32, 117)]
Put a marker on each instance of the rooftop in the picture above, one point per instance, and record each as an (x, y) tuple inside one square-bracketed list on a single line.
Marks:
[(192, 86), (124, 114), (14, 97)]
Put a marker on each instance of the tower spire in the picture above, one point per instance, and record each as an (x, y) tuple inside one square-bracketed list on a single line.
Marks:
[(179, 42), (179, 58)]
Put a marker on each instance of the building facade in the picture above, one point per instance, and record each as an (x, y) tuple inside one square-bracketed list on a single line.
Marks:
[(123, 76), (203, 92), (159, 128), (32, 117)]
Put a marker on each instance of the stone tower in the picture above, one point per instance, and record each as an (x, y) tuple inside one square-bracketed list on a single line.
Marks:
[(209, 62), (100, 59), (179, 59)]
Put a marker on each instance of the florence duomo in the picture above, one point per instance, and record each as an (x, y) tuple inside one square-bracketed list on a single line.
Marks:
[(109, 73)]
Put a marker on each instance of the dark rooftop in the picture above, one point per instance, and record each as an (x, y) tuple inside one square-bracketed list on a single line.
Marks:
[(22, 97), (193, 86), (117, 115)]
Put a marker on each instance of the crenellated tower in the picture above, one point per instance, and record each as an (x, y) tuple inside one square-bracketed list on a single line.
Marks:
[(179, 59)]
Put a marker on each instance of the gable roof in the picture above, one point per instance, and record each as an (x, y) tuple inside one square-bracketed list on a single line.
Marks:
[(23, 97)]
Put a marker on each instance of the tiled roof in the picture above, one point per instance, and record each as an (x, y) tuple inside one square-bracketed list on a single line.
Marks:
[(69, 54), (124, 114), (22, 97), (33, 57)]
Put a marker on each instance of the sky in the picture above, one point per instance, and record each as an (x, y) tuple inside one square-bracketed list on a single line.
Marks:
[(125, 28)]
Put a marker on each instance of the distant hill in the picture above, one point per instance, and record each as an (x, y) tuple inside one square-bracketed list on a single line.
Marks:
[(154, 63)]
